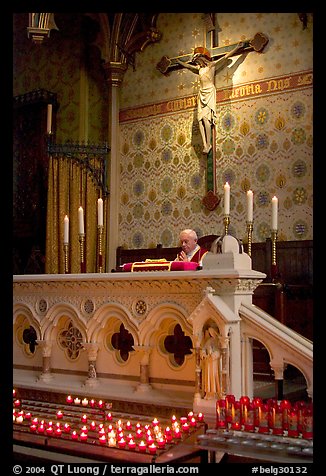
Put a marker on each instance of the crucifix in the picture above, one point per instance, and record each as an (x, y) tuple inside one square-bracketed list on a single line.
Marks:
[(206, 64)]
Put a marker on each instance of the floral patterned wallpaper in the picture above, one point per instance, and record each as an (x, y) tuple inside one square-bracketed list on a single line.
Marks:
[(264, 142)]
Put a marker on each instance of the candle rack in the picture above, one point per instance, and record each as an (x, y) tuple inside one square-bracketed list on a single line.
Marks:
[(226, 222), (100, 229), (66, 252), (249, 234), (81, 251)]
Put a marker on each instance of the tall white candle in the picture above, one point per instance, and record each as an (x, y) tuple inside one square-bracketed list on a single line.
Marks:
[(81, 220), (250, 206), (49, 119), (226, 199), (66, 230), (274, 212), (100, 212)]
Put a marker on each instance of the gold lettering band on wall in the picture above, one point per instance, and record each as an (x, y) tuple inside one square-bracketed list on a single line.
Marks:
[(276, 85)]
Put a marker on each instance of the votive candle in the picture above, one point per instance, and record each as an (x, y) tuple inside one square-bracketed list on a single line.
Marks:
[(131, 444), (142, 446)]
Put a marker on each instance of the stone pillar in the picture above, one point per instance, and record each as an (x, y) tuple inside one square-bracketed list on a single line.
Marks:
[(225, 366), (114, 73), (198, 385), (144, 352), (92, 349), (46, 346), (278, 369)]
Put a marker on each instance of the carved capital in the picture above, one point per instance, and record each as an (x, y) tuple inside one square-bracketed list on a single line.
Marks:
[(114, 72), (91, 349)]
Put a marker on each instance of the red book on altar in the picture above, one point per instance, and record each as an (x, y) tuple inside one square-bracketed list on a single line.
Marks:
[(160, 265)]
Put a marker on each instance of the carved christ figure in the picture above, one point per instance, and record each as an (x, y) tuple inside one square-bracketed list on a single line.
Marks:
[(202, 64)]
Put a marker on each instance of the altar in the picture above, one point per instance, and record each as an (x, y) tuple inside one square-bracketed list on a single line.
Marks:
[(138, 336)]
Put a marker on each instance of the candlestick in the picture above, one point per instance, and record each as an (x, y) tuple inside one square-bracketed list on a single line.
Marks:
[(250, 206), (249, 233), (226, 199), (81, 252), (274, 238), (66, 253), (81, 220), (49, 119), (274, 212), (226, 221), (100, 256)]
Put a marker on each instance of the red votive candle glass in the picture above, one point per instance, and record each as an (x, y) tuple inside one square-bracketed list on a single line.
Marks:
[(142, 446), (185, 427), (128, 425), (236, 416), (177, 433), (263, 418), (257, 403), (307, 422), (49, 430), (161, 442), (83, 436), (152, 448), (249, 417), (285, 406), (93, 425), (69, 399), (66, 428), (229, 402), (293, 423), (102, 439), (244, 402), (200, 416), (277, 420), (220, 414), (131, 444), (122, 443)]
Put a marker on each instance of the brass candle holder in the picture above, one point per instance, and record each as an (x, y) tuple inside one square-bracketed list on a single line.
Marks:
[(274, 238), (226, 221), (274, 273), (81, 252), (250, 227), (99, 242), (66, 251)]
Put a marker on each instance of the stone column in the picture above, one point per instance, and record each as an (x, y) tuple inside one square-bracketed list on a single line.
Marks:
[(198, 385), (225, 367), (144, 352), (46, 346), (91, 349), (114, 73), (278, 369)]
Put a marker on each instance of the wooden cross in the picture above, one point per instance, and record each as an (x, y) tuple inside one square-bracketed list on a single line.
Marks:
[(257, 43), (167, 65)]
